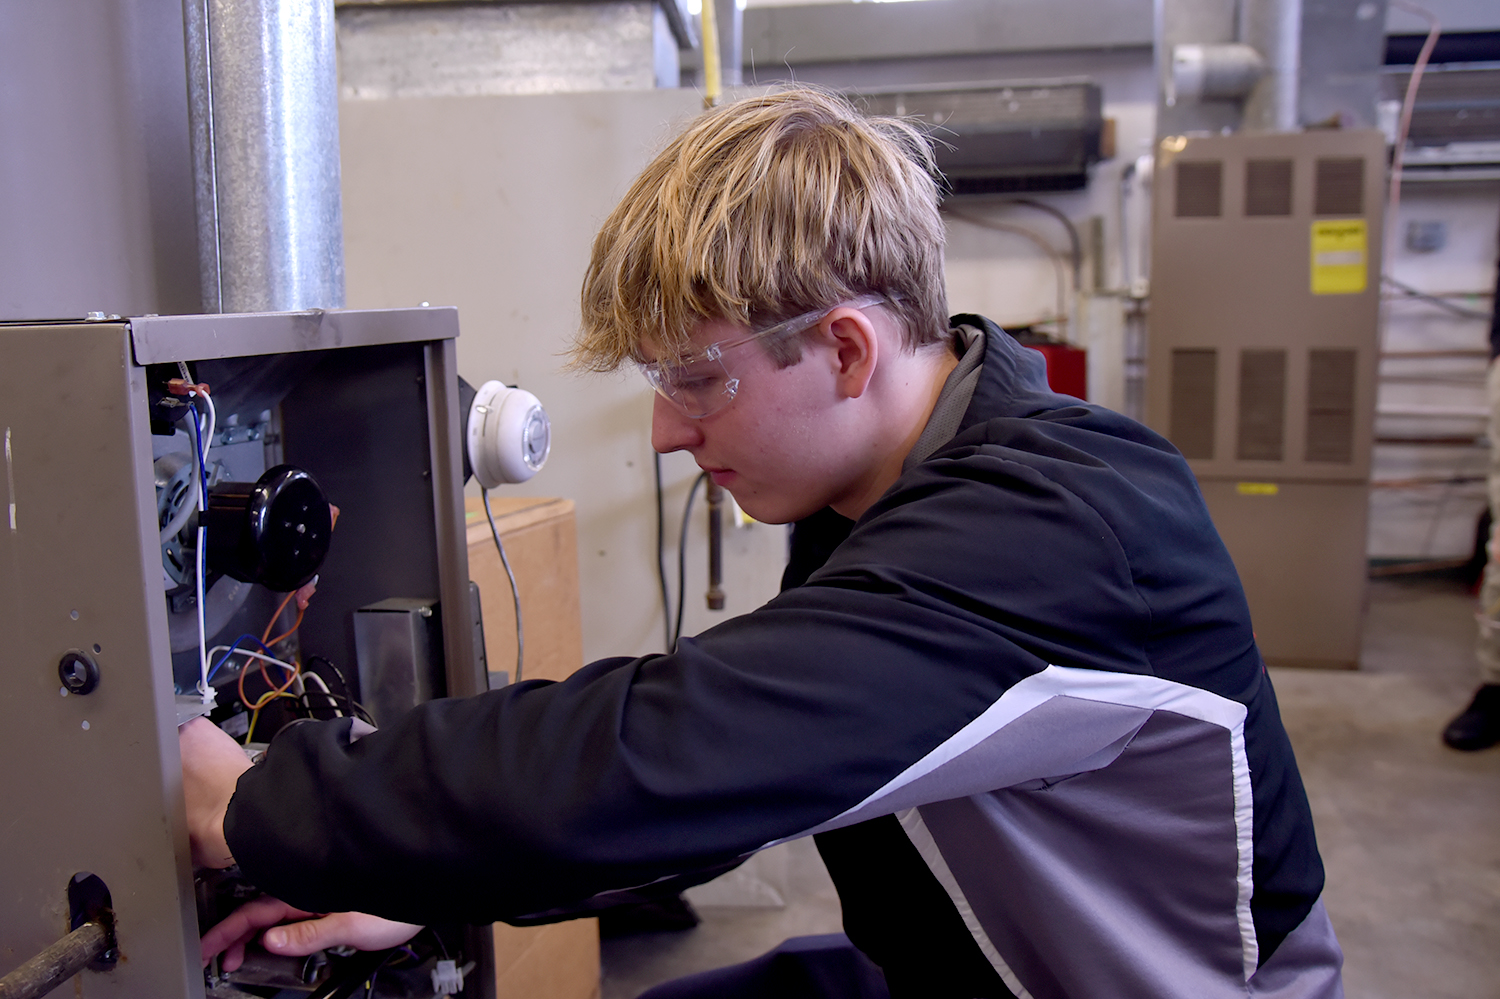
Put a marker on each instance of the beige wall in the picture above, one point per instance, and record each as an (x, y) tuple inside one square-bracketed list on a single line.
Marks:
[(490, 204)]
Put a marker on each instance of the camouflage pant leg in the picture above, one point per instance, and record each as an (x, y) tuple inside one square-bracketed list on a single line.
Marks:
[(1487, 648)]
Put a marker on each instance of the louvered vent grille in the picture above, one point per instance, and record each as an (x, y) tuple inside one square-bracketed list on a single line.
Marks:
[(1268, 188), (1200, 188), (1339, 187), (1330, 406), (1262, 405), (1195, 379)]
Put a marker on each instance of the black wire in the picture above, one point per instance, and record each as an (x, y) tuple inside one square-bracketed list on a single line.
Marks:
[(515, 593), (350, 704), (1073, 239), (687, 512), (1439, 301), (350, 973), (661, 565), (312, 709), (1059, 263), (338, 673), (438, 939)]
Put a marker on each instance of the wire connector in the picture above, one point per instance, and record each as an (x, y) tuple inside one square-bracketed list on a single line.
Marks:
[(181, 386), (447, 979)]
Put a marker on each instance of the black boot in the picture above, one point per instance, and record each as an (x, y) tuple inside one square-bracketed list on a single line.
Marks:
[(1479, 726)]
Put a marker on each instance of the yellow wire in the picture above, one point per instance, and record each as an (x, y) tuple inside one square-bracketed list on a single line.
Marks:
[(260, 703)]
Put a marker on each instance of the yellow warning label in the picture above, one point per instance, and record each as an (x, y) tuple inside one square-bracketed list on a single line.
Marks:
[(1340, 256), (1257, 488)]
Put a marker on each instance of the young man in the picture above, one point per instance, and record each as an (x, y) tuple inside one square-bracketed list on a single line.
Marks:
[(1010, 684)]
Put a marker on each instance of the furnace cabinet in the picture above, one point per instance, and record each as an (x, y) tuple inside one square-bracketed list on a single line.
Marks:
[(367, 403), (1263, 350)]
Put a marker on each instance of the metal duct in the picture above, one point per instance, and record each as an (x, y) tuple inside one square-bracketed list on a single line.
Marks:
[(1215, 72), (263, 101), (1274, 29)]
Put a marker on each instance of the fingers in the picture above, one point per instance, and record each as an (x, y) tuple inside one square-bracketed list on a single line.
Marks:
[(307, 933), (240, 928), (302, 938), (340, 929)]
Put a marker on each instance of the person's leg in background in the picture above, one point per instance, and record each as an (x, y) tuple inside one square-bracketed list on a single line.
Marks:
[(1478, 726)]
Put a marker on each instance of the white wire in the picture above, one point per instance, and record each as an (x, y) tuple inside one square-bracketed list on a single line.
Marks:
[(204, 689), (262, 657), (298, 675), (323, 686), (208, 439)]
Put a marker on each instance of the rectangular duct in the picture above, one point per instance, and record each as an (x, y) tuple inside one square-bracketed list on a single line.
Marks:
[(1026, 135)]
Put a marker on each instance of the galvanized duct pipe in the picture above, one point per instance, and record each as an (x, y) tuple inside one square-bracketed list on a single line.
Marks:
[(263, 101), (1273, 28)]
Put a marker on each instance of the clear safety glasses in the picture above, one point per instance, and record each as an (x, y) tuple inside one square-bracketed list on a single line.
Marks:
[(705, 383)]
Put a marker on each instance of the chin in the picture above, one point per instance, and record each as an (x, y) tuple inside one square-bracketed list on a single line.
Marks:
[(768, 510)]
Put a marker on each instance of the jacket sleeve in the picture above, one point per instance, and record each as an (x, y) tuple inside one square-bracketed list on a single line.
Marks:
[(541, 795)]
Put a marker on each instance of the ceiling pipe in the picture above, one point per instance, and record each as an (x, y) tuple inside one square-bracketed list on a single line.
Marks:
[(263, 107), (1274, 29)]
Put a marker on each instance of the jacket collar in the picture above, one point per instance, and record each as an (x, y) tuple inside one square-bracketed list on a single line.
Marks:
[(1013, 382)]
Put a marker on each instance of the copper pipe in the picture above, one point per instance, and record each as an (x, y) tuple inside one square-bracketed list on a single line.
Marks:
[(57, 963)]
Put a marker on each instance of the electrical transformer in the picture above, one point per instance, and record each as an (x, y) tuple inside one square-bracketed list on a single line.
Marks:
[(1263, 349)]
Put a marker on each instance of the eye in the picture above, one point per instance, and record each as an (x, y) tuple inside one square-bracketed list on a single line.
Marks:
[(696, 380)]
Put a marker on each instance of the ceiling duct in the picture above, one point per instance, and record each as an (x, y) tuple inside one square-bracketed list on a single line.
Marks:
[(263, 103), (1030, 135)]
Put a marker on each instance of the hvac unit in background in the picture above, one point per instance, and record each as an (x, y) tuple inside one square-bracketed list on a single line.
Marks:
[(1026, 135), (1262, 361)]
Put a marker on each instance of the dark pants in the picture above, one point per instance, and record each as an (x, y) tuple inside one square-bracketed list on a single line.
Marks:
[(821, 967)]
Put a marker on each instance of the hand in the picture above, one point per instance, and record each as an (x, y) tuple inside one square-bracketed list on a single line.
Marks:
[(211, 765), (307, 934)]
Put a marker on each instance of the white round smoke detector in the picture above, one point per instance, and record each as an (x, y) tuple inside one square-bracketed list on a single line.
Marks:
[(508, 436)]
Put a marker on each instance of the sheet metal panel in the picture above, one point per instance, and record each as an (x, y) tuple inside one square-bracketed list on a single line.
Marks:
[(161, 339), (93, 782)]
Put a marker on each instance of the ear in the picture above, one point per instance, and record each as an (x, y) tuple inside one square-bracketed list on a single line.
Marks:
[(857, 348)]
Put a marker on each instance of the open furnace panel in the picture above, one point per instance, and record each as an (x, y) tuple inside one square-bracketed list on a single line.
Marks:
[(96, 585)]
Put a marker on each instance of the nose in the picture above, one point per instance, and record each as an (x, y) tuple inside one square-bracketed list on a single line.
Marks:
[(672, 429)]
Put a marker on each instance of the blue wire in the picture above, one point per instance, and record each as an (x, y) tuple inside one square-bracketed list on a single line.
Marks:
[(198, 447), (235, 648)]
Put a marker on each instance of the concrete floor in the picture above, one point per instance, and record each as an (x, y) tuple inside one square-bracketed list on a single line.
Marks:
[(1409, 830)]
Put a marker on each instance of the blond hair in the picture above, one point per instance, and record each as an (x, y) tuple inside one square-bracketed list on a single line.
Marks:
[(762, 210)]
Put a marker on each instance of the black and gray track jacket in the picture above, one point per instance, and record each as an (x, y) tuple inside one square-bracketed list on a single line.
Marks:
[(1019, 701)]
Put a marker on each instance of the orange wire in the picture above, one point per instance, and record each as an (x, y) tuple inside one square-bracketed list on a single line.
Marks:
[(272, 623), (265, 637), (269, 695), (289, 632)]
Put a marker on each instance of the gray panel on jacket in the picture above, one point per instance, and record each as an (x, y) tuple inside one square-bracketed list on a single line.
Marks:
[(1067, 868)]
